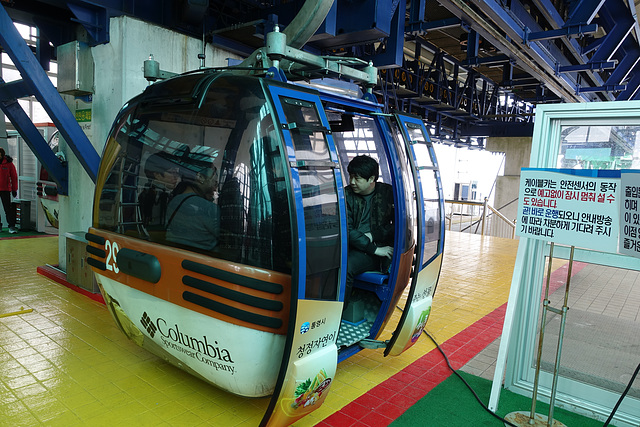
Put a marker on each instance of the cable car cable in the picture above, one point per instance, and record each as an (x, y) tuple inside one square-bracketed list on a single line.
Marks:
[(446, 359)]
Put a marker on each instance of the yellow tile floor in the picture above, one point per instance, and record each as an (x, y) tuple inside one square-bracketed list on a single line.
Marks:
[(65, 363)]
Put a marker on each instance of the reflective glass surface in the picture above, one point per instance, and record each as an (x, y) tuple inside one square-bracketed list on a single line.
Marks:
[(319, 198), (198, 165), (599, 147)]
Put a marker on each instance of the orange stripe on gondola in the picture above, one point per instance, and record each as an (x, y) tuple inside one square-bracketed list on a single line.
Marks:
[(235, 293)]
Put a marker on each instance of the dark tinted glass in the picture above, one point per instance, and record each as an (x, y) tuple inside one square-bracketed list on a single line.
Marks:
[(202, 172)]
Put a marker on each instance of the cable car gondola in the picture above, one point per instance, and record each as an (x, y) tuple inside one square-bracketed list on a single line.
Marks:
[(219, 238)]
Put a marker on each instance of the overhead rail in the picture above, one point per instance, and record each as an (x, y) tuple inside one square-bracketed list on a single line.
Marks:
[(536, 53), (459, 102)]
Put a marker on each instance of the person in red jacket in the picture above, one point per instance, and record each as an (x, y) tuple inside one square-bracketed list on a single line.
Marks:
[(8, 186)]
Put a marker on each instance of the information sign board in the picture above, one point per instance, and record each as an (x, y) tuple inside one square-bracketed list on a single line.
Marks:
[(572, 207), (629, 242)]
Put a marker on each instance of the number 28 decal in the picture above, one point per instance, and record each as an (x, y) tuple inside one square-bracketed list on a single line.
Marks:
[(112, 251)]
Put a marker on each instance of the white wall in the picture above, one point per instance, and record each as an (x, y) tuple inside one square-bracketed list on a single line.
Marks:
[(461, 165)]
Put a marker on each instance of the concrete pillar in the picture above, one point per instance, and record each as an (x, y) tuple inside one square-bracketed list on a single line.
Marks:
[(517, 152), (118, 77)]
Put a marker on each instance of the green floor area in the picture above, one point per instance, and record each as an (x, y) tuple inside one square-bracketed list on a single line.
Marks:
[(451, 404)]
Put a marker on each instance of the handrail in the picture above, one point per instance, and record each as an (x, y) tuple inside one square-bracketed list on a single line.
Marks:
[(482, 218), (502, 217)]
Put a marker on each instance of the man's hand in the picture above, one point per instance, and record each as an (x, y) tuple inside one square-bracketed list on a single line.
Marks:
[(369, 236), (15, 194), (384, 251)]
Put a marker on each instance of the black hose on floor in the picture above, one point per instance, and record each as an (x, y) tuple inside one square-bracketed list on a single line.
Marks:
[(624, 393), (446, 359)]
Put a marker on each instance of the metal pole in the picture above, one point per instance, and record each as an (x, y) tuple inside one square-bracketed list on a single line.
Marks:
[(484, 214), (545, 304), (559, 349)]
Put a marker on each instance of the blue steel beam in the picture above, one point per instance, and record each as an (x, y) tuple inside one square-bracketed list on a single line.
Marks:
[(613, 88), (532, 59), (584, 11), (424, 26), (14, 90), (487, 60), (93, 18), (614, 39), (34, 140), (473, 47), (548, 9), (633, 87), (434, 92), (629, 61), (37, 81), (560, 32), (416, 11), (605, 52), (392, 57), (604, 65)]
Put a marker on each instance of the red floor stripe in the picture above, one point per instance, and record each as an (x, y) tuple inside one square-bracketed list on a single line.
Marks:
[(388, 400), (60, 277), (411, 384), (27, 237)]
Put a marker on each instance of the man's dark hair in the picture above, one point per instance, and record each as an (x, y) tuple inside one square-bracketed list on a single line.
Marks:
[(364, 166)]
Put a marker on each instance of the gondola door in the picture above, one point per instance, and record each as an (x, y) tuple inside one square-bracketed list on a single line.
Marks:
[(430, 234), (311, 356)]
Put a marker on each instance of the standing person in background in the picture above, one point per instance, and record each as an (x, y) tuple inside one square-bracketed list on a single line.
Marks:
[(8, 187)]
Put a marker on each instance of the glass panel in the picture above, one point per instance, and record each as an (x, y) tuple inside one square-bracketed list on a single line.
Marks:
[(602, 331), (205, 174), (420, 144), (423, 156), (599, 147), (409, 196), (361, 138), (322, 227), (309, 143), (429, 184)]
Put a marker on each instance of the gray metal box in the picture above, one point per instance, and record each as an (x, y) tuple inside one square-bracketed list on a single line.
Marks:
[(75, 69)]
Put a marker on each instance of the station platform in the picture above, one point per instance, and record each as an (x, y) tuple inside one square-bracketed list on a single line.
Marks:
[(65, 363)]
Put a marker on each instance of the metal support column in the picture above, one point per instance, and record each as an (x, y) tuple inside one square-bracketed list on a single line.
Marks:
[(36, 82)]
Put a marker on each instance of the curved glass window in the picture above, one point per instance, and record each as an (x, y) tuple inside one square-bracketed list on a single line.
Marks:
[(203, 172), (429, 185)]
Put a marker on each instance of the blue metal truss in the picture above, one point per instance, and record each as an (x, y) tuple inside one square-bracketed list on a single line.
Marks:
[(36, 82), (457, 109), (557, 46), (521, 27)]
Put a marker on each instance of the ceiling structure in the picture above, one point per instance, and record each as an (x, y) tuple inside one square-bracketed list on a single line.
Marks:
[(471, 68)]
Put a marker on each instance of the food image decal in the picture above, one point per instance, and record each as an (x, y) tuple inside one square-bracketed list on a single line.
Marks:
[(422, 321), (309, 391)]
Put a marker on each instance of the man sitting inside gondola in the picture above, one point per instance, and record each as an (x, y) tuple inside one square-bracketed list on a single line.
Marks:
[(193, 219), (369, 220)]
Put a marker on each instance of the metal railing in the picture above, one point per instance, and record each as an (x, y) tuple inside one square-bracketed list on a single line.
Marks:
[(478, 218)]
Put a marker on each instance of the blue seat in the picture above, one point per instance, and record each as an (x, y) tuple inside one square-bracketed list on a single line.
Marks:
[(375, 282), (372, 277)]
